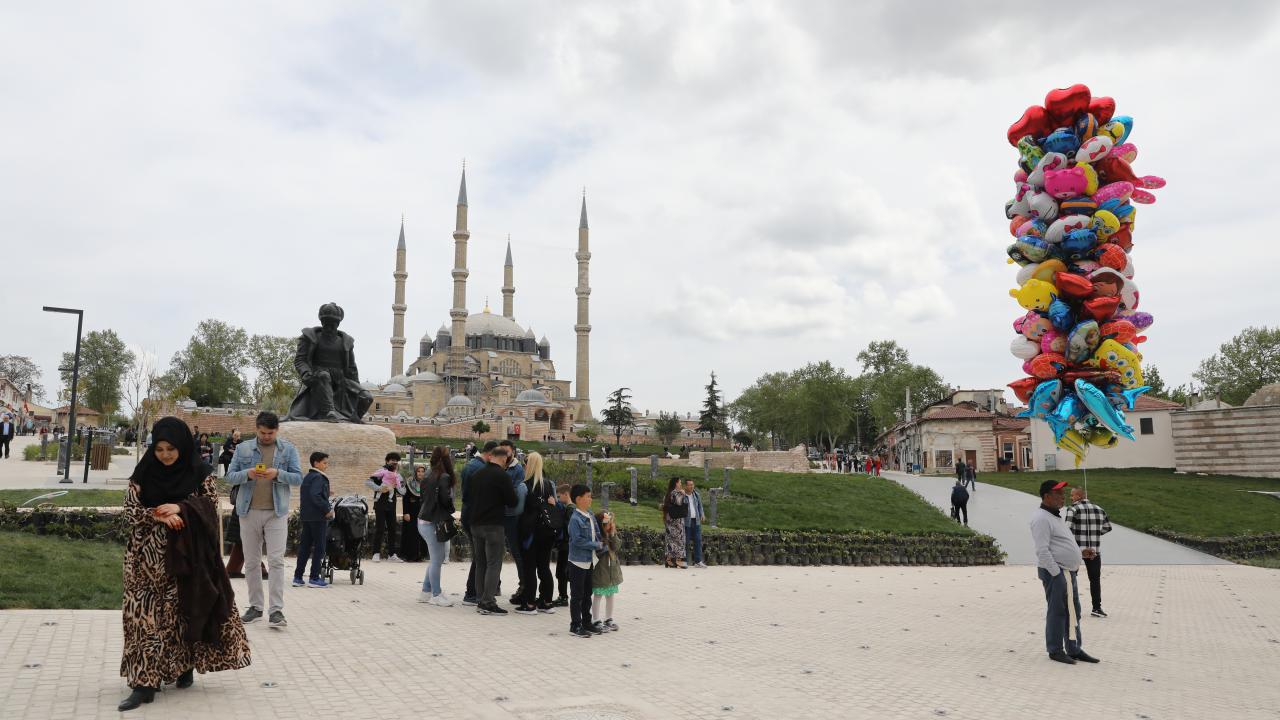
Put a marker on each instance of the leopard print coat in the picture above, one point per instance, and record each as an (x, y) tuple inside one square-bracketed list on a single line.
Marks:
[(155, 652)]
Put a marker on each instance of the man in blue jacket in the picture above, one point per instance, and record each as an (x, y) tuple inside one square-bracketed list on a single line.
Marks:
[(265, 467), (314, 515), (477, 461)]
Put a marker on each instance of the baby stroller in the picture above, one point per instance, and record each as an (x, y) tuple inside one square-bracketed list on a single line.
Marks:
[(345, 538)]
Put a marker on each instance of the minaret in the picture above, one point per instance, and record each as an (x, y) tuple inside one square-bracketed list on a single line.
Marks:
[(582, 387), (458, 313), (508, 285), (398, 308)]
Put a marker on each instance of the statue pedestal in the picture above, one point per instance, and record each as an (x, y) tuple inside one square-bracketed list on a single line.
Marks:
[(355, 452)]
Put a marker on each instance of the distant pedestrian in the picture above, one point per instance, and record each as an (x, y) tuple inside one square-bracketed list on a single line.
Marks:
[(970, 478), (1089, 522), (7, 431), (693, 525), (44, 442), (1057, 561), (960, 466), (206, 449), (960, 502), (385, 483), (314, 515), (877, 467), (229, 450), (412, 546), (675, 508)]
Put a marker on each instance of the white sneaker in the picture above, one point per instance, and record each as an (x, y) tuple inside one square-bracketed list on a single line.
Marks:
[(393, 558), (424, 597), (441, 601), (377, 557)]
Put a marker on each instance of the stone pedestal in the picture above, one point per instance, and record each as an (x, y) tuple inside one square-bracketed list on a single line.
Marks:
[(355, 451)]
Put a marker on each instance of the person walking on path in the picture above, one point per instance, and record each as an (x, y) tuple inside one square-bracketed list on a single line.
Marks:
[(675, 508), (474, 465), (693, 525), (1089, 523), (491, 495), (960, 468), (1057, 561), (436, 511), (606, 576), (314, 515), (413, 547), (265, 468), (960, 502), (385, 483), (970, 478), (178, 608), (7, 430), (537, 533)]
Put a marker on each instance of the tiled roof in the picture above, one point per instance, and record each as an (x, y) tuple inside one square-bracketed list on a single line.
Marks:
[(1012, 423), (1146, 402), (957, 413)]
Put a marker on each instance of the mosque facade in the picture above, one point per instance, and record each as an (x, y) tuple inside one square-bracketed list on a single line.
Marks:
[(486, 365)]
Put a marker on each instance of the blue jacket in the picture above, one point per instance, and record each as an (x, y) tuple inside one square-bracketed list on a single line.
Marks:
[(314, 496), (516, 473), (468, 470), (286, 464), (580, 545)]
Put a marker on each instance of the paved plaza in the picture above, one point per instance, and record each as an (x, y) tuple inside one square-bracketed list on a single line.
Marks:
[(727, 642)]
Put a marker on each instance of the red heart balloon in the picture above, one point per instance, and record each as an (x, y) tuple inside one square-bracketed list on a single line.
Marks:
[(1102, 108), (1113, 169), (1073, 286), (1064, 104), (1034, 122), (1024, 387), (1101, 308)]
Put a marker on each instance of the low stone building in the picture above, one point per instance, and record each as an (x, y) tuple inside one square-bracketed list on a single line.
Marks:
[(1231, 441), (1152, 421), (975, 426)]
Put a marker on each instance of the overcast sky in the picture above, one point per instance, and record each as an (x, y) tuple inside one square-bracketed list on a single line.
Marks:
[(769, 183)]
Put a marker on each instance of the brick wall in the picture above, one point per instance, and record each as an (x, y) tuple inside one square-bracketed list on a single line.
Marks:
[(1233, 441), (776, 461)]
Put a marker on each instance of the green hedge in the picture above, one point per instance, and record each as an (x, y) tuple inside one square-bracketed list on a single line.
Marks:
[(1237, 548), (640, 546), (32, 452)]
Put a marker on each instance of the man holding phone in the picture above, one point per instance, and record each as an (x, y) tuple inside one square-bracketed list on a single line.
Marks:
[(265, 467)]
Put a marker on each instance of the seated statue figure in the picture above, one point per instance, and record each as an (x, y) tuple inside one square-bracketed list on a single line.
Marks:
[(326, 362)]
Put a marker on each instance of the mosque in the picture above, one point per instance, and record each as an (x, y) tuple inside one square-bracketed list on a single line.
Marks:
[(483, 365)]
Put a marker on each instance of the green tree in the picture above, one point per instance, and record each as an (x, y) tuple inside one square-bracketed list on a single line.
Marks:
[(743, 438), (667, 427), (104, 359), (271, 357), (618, 414), (1241, 366), (22, 372), (210, 369), (481, 427), (590, 431), (767, 407), (713, 418), (888, 374), (823, 402)]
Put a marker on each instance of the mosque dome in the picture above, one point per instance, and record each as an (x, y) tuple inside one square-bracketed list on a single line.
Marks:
[(393, 388), (460, 401), (369, 386), (399, 380), (487, 323), (426, 376), (531, 396)]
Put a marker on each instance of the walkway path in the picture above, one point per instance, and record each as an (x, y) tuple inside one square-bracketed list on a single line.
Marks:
[(728, 643), (1004, 514), (16, 473)]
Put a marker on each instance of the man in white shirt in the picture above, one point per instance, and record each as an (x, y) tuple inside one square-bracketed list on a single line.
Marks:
[(1057, 560)]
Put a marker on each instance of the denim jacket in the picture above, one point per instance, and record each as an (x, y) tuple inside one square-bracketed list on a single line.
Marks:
[(581, 548), (286, 464)]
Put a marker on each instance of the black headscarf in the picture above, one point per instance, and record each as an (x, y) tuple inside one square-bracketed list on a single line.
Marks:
[(162, 483)]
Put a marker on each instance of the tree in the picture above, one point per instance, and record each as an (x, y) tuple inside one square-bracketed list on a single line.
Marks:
[(140, 392), (743, 438), (667, 427), (823, 402), (617, 414), (590, 431), (713, 417), (481, 427), (22, 372), (210, 369), (104, 359), (271, 357), (1241, 366), (888, 374)]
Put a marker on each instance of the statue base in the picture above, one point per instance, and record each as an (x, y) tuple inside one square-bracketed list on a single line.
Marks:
[(355, 452)]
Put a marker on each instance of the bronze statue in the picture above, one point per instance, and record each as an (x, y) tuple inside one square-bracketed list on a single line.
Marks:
[(326, 361)]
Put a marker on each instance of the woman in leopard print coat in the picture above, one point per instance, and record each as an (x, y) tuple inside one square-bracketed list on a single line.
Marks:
[(157, 648)]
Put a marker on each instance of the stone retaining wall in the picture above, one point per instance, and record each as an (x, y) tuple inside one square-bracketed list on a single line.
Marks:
[(1232, 441), (794, 460)]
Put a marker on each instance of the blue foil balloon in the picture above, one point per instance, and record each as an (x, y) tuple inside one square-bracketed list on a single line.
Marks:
[(1097, 403), (1068, 412), (1043, 399), (1062, 140), (1061, 316)]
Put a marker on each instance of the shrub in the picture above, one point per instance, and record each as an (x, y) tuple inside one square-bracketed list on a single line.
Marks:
[(32, 452)]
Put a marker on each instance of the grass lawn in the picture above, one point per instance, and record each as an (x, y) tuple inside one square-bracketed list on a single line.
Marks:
[(73, 498), (75, 574), (791, 501), (1143, 498)]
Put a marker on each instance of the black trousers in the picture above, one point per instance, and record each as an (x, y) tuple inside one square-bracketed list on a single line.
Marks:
[(962, 509), (562, 569), (537, 568), (1093, 566), (579, 597), (311, 542), (384, 523), (470, 592), (4, 444), (511, 532)]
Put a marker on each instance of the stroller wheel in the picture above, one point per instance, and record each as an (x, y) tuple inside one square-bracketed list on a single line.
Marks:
[(353, 575), (360, 575)]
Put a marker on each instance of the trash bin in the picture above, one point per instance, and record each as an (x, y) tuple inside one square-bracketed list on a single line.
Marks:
[(100, 456)]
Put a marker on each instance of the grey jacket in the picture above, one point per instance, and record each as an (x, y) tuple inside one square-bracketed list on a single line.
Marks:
[(1056, 548)]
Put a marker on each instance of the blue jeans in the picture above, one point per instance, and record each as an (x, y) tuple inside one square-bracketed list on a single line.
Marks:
[(693, 542), (438, 552), (311, 542), (1057, 621)]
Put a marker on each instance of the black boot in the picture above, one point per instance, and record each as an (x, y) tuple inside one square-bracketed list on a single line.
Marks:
[(137, 698), (186, 679)]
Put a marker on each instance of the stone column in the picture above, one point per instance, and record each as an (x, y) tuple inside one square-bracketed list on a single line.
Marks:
[(398, 308), (582, 384)]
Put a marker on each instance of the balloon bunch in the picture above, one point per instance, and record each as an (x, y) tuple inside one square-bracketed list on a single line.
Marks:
[(1072, 218)]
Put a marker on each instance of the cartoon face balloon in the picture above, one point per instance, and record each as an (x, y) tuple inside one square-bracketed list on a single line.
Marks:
[(1111, 355)]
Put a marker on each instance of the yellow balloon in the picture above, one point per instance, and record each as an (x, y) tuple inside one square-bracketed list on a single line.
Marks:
[(1073, 442)]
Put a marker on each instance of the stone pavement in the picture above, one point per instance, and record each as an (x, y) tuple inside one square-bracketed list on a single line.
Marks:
[(1004, 514), (16, 473), (723, 643)]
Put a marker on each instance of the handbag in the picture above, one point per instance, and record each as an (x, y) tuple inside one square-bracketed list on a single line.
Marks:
[(446, 527)]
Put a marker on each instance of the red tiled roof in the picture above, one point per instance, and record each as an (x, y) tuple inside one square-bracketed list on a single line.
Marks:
[(1012, 423), (955, 412), (1146, 402)]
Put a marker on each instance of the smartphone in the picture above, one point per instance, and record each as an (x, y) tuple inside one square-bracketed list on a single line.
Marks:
[(260, 467)]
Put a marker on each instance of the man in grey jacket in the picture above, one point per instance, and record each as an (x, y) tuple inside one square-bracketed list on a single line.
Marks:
[(1057, 560)]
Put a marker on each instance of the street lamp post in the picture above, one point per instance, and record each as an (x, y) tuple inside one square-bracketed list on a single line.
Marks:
[(75, 381)]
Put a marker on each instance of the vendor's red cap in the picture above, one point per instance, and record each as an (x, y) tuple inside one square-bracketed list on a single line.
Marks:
[(1048, 486)]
